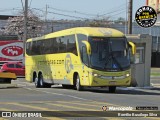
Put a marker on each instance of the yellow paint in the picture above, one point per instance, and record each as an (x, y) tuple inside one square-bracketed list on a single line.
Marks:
[(8, 75)]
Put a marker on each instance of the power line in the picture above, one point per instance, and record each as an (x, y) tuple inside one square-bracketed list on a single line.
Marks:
[(122, 11), (61, 14), (116, 10), (4, 10), (77, 12)]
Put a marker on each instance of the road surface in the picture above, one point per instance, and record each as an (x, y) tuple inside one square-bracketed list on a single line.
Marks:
[(23, 96)]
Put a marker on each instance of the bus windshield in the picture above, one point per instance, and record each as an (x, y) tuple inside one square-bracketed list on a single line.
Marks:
[(109, 54)]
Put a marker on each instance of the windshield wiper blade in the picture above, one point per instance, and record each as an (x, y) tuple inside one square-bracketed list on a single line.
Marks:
[(108, 60), (111, 57), (115, 60)]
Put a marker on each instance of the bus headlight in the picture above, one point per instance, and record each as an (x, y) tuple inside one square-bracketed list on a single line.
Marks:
[(127, 75), (95, 74)]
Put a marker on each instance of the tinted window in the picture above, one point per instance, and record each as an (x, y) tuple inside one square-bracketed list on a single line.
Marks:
[(39, 47), (62, 44), (18, 66), (47, 46), (55, 46), (33, 48), (71, 44), (10, 65), (52, 45), (81, 37)]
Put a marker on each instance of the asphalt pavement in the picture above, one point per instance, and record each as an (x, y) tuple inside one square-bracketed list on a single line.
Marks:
[(23, 96)]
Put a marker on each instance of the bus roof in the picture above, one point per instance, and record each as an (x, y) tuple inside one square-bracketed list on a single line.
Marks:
[(99, 31), (89, 31)]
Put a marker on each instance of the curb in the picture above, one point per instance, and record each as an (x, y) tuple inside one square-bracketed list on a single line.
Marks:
[(155, 85), (136, 88), (8, 86)]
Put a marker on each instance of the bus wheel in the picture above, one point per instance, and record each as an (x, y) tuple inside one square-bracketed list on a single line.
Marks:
[(47, 85), (41, 81), (112, 89), (78, 85), (36, 81)]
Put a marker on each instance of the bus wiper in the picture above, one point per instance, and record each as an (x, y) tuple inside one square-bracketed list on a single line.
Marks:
[(111, 57), (115, 60), (108, 60)]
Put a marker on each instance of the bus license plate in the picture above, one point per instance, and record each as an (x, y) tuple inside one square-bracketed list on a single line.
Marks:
[(112, 82)]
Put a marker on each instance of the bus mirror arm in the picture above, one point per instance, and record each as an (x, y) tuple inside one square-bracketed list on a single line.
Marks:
[(88, 46), (133, 47)]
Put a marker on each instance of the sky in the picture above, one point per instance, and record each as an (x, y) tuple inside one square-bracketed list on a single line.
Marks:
[(72, 9)]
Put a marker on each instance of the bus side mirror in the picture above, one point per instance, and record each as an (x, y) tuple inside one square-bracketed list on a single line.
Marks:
[(132, 50), (88, 47), (133, 47)]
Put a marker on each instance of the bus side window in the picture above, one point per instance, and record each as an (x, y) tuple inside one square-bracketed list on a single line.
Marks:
[(54, 45), (62, 44), (84, 55), (42, 48), (28, 48), (38, 47), (71, 44), (33, 52)]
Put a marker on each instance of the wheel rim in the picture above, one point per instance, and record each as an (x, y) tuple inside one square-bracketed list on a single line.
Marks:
[(77, 83), (36, 81), (41, 81)]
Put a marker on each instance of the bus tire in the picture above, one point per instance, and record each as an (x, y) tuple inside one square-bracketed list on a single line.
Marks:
[(112, 89), (78, 84), (47, 85), (36, 81), (41, 82)]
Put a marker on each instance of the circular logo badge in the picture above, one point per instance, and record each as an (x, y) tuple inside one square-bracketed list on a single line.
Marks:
[(146, 16), (68, 63)]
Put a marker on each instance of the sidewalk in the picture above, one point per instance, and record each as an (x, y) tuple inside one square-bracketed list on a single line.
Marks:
[(155, 72), (155, 77)]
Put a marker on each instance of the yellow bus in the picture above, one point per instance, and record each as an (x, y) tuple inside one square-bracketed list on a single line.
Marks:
[(79, 57)]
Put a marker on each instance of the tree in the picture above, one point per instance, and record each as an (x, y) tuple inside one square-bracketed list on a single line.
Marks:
[(120, 20), (103, 22), (15, 25)]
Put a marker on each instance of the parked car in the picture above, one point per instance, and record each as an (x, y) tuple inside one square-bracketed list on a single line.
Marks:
[(6, 77), (14, 67)]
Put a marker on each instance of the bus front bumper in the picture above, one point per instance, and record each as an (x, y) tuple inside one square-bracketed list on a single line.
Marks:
[(110, 82)]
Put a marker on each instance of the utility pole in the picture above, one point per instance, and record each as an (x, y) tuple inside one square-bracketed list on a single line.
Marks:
[(46, 12), (46, 16), (25, 25), (126, 21), (25, 22), (130, 6)]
